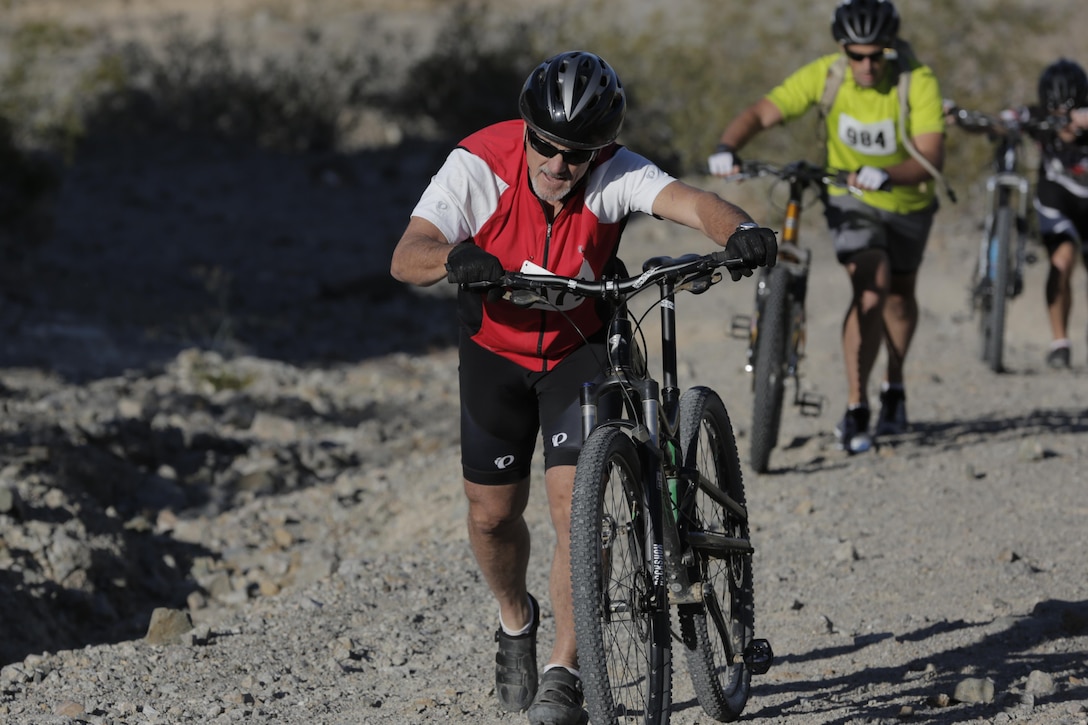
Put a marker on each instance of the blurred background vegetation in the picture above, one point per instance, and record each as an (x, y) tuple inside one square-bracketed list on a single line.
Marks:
[(453, 67)]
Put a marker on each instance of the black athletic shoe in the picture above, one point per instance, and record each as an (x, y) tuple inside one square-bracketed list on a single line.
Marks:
[(515, 665), (852, 432), (559, 700), (893, 413), (1058, 358)]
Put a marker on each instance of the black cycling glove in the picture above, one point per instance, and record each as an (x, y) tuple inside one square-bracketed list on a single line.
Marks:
[(756, 246), (468, 263)]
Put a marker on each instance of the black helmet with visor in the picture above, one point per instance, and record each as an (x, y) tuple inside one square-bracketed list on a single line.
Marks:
[(1063, 86), (574, 99), (865, 22)]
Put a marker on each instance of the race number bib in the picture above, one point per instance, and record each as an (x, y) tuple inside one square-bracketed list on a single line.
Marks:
[(871, 139)]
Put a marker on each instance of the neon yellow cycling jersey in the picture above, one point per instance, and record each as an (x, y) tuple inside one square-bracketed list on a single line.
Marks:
[(863, 124)]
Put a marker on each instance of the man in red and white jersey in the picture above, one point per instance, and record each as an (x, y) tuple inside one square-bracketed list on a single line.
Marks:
[(552, 190)]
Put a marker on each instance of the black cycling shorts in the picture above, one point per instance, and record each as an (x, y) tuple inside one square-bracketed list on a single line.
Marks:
[(1062, 216), (504, 407)]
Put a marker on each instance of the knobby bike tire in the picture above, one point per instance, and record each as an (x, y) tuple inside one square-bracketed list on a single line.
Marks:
[(621, 619), (993, 319), (770, 368), (715, 635)]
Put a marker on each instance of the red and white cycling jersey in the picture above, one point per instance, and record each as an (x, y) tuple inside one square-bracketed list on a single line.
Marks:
[(482, 194)]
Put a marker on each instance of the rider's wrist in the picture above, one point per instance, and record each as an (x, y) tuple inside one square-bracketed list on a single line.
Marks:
[(747, 225), (724, 148)]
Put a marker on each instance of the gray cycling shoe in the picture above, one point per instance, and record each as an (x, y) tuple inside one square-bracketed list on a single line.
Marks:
[(515, 665), (559, 700)]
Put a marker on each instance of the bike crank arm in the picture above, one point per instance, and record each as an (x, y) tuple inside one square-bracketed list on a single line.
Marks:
[(757, 655)]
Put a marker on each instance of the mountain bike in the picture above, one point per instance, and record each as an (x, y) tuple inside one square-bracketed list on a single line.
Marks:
[(776, 330), (658, 516), (999, 274)]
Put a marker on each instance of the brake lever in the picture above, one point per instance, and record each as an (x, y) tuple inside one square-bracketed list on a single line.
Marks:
[(700, 283)]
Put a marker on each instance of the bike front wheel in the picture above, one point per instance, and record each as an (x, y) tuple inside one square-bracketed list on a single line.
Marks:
[(770, 368), (714, 520), (621, 618), (992, 320)]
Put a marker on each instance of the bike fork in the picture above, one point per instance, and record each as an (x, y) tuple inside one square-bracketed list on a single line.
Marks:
[(998, 186)]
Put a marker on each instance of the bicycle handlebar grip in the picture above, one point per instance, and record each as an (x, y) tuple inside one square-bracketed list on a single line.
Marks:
[(723, 258)]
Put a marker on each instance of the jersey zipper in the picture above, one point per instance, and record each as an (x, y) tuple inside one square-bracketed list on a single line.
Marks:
[(543, 313)]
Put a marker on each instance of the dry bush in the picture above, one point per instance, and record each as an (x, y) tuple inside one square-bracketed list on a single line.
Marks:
[(688, 68)]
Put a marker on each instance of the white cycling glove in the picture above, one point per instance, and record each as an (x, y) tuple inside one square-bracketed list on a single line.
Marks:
[(722, 161), (1078, 117), (870, 178)]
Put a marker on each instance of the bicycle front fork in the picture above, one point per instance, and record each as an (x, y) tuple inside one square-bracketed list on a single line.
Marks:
[(999, 191)]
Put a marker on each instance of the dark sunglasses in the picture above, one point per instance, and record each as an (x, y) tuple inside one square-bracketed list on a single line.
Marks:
[(875, 56), (545, 149)]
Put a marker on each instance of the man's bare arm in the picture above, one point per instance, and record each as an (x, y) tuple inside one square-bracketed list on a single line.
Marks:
[(703, 210), (420, 256)]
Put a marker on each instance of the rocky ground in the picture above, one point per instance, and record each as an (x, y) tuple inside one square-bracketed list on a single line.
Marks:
[(229, 481)]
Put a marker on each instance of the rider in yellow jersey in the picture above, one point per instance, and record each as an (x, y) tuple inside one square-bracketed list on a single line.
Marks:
[(864, 124), (880, 226)]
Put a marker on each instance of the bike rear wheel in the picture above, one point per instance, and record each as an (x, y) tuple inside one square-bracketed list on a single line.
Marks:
[(992, 320), (621, 618), (770, 368), (716, 633)]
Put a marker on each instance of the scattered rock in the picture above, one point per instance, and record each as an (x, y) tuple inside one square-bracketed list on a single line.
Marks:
[(1040, 683), (168, 626), (974, 690)]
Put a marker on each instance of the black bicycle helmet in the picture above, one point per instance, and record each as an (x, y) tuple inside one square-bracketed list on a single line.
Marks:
[(1063, 85), (865, 22), (574, 99)]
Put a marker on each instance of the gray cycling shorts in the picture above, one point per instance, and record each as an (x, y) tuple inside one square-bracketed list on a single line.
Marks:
[(856, 226)]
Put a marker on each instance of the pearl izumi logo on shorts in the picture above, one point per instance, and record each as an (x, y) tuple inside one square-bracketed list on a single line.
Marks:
[(504, 462), (559, 439)]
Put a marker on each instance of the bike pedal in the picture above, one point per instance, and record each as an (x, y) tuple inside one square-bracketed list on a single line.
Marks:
[(741, 326), (811, 404), (758, 656)]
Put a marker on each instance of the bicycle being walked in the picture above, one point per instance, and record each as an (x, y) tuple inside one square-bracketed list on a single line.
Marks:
[(881, 109), (549, 191), (1058, 123), (658, 517), (776, 331), (1003, 254)]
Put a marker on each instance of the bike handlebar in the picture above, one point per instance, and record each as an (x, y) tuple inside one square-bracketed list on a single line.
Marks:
[(800, 175), (693, 270), (999, 124), (803, 172)]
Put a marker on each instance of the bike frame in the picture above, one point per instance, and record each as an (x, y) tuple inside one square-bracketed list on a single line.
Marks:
[(797, 261)]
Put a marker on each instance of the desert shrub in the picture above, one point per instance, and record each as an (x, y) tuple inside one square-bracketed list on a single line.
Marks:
[(688, 68), (467, 81), (691, 67), (214, 86), (34, 97)]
